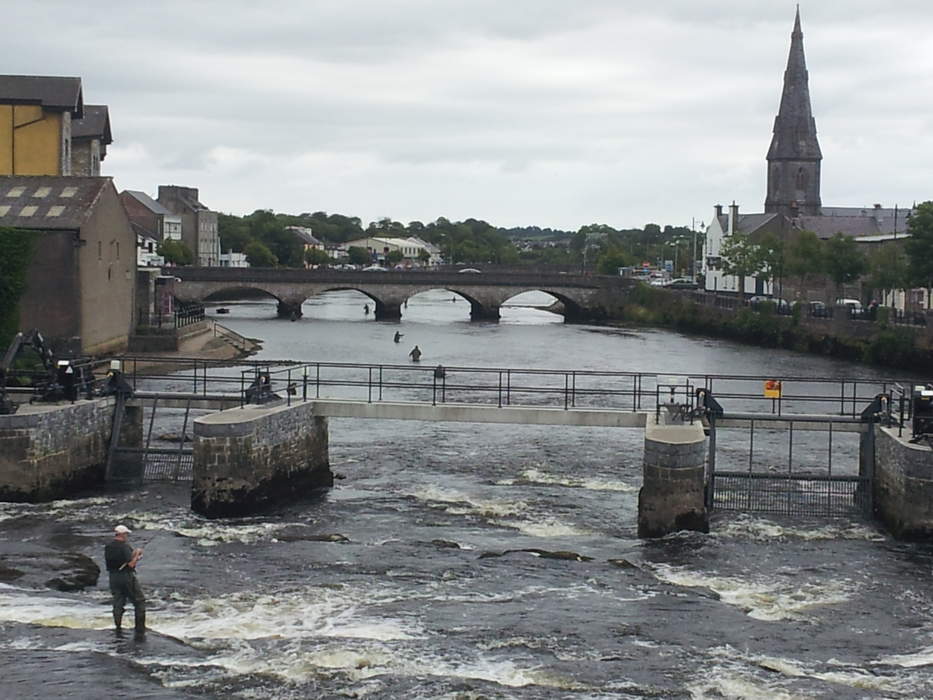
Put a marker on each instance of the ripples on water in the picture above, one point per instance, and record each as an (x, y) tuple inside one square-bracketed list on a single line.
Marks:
[(474, 561)]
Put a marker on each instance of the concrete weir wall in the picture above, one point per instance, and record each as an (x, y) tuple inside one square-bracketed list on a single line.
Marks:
[(903, 485), (49, 450), (672, 493), (248, 459)]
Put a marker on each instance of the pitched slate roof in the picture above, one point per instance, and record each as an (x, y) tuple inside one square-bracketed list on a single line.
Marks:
[(747, 223), (829, 226), (148, 202), (51, 92), (94, 124), (48, 202)]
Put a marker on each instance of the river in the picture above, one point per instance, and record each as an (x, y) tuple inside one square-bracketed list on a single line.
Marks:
[(473, 561)]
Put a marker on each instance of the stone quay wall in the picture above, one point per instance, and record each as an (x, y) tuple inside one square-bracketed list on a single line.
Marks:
[(48, 451), (672, 496), (903, 485), (249, 459)]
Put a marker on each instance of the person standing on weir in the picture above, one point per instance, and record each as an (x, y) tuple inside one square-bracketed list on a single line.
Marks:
[(121, 560)]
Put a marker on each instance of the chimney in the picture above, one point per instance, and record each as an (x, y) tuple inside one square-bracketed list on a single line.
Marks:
[(718, 208), (879, 215), (733, 217)]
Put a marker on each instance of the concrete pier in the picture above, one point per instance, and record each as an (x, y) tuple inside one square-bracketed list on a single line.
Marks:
[(248, 459), (673, 486)]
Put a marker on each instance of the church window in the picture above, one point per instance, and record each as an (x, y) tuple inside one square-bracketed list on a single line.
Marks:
[(802, 179)]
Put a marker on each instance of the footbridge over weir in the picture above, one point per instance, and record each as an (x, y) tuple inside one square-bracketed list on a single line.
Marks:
[(583, 297)]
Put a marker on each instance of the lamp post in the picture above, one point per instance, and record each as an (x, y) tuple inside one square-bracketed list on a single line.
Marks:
[(693, 222)]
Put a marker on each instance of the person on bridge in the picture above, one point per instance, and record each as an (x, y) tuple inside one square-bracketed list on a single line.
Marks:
[(415, 354), (398, 336), (121, 561)]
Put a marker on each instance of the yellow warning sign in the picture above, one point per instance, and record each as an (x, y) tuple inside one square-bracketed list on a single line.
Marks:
[(772, 388)]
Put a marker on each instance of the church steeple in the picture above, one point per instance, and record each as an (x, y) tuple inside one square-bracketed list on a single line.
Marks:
[(794, 157)]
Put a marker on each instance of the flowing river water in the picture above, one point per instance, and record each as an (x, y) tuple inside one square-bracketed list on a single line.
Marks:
[(472, 561)]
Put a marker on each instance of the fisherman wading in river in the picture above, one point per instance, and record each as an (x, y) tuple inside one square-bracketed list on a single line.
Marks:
[(121, 562)]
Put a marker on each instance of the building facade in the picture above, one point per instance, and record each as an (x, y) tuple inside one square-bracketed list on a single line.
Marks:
[(90, 136), (150, 218), (80, 284), (36, 114), (199, 229)]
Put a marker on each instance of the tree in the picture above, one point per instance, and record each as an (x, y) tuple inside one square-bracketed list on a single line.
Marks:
[(316, 256), (887, 270), (258, 255), (610, 261), (175, 252), (394, 257), (919, 247), (741, 257), (843, 262), (803, 258), (771, 249), (424, 257), (358, 256)]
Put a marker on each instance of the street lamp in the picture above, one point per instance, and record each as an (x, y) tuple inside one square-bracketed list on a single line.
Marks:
[(693, 222)]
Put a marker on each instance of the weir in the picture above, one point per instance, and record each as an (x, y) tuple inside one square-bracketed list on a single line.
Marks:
[(270, 442)]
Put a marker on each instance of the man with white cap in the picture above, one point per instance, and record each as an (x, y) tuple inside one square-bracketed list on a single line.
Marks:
[(121, 565)]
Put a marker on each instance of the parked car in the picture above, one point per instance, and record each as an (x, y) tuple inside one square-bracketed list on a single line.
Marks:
[(812, 308), (471, 270), (780, 305), (375, 268), (682, 283)]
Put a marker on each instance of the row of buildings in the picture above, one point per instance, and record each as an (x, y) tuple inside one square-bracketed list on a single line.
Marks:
[(792, 200), (80, 287), (413, 251)]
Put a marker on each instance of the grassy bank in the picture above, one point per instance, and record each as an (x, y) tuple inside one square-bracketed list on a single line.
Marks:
[(888, 345)]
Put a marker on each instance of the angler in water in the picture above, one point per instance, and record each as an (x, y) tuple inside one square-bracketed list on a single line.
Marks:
[(415, 354), (121, 562), (398, 336)]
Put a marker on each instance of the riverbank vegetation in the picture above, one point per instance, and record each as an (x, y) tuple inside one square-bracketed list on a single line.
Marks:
[(599, 248), (17, 248), (888, 345)]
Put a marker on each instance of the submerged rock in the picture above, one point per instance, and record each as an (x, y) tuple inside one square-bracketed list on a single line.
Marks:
[(543, 553), (333, 537), (71, 571), (445, 544)]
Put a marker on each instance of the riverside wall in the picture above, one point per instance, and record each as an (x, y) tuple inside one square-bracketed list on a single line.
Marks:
[(249, 459), (48, 451)]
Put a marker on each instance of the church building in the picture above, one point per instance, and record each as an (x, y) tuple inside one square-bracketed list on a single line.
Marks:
[(792, 201)]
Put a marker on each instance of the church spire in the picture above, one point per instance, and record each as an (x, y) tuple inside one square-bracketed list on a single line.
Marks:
[(794, 156)]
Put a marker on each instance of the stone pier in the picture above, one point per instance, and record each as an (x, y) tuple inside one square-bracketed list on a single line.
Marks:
[(903, 485), (50, 450), (673, 485), (252, 458)]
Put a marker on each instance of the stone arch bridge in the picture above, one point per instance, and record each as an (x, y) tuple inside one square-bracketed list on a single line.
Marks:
[(584, 297)]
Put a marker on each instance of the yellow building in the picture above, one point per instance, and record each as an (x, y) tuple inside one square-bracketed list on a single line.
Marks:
[(35, 123)]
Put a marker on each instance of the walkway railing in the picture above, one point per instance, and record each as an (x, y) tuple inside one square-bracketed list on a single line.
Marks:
[(255, 381)]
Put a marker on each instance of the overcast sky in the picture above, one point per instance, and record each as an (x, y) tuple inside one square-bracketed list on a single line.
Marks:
[(518, 112)]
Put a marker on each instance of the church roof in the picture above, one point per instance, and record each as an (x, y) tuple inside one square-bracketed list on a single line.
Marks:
[(794, 127)]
